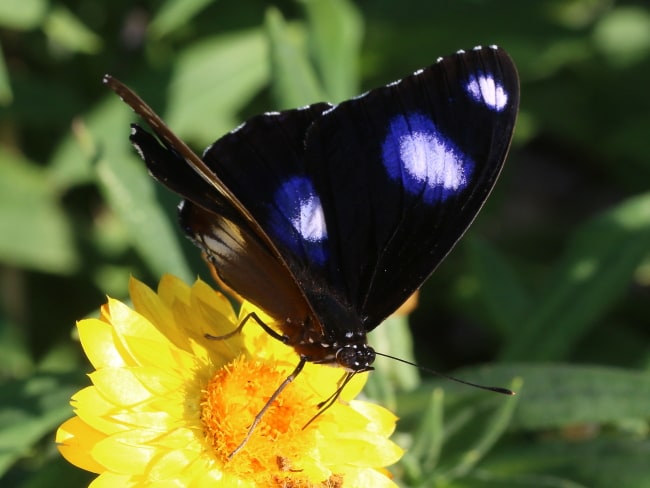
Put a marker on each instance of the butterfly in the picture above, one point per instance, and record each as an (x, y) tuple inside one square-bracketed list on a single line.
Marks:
[(328, 217)]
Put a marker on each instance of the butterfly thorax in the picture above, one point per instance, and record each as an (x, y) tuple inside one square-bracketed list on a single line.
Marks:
[(350, 351)]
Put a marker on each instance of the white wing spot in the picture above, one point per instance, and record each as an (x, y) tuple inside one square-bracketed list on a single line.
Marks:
[(424, 160), (309, 221), (427, 158), (485, 90)]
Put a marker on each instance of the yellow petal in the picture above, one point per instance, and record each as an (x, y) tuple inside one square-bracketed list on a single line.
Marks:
[(126, 452), (195, 326), (324, 380), (182, 438), (180, 404), (111, 480), (75, 440), (149, 352), (355, 386), (172, 290), (149, 305), (158, 381), (171, 464), (155, 421), (367, 478), (373, 451), (213, 313), (214, 477), (96, 337), (215, 301), (382, 420), (95, 410), (119, 385)]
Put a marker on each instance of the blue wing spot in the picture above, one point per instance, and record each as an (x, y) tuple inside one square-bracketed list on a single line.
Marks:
[(484, 89), (427, 163), (298, 220)]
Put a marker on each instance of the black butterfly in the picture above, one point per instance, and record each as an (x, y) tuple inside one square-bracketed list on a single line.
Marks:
[(329, 217)]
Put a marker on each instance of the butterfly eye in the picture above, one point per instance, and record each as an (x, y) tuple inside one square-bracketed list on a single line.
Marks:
[(356, 357)]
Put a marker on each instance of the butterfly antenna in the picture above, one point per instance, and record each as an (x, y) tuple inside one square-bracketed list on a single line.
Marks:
[(495, 389)]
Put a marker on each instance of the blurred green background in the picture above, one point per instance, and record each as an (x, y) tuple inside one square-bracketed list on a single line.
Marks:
[(551, 286)]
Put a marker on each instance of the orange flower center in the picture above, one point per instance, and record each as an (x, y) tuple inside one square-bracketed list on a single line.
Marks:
[(232, 399)]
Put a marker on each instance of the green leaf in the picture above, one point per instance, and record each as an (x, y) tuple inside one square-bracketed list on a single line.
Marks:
[(295, 83), (31, 408), (391, 376), (429, 435), (593, 463), (604, 463), (56, 468), (336, 31), (473, 422), (393, 337), (34, 231), (100, 151), (73, 160), (174, 15), (15, 358), (554, 396), (495, 424), (129, 190), (6, 95), (624, 35), (212, 81), (22, 14), (595, 272), (67, 31), (558, 395), (500, 288)]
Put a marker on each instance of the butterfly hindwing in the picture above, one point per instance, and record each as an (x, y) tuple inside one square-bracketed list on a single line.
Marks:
[(243, 261)]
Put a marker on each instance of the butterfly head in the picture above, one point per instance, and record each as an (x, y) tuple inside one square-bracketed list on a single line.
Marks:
[(347, 349), (355, 358)]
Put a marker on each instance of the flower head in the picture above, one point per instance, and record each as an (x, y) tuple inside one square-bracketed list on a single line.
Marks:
[(167, 406)]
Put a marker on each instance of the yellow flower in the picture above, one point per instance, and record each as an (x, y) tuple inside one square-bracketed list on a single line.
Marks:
[(167, 406)]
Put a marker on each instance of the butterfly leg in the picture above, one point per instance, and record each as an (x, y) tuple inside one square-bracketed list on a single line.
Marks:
[(325, 404), (251, 316), (268, 404)]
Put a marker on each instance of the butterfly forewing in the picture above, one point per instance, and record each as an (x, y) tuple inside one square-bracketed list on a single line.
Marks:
[(403, 170)]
